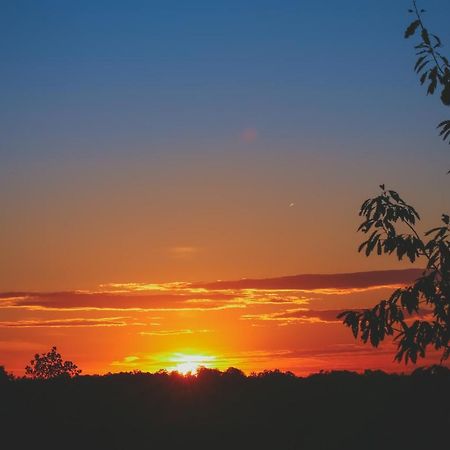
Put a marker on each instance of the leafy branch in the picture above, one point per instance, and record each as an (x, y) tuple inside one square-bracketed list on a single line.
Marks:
[(416, 316), (431, 65)]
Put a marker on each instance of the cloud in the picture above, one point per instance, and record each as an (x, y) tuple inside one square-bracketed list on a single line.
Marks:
[(302, 315), (183, 251), (172, 332), (313, 282), (312, 315), (121, 301), (211, 296), (130, 359), (298, 315), (65, 323), (180, 299)]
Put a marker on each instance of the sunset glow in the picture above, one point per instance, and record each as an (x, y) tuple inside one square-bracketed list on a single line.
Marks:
[(180, 181), (252, 324), (185, 364)]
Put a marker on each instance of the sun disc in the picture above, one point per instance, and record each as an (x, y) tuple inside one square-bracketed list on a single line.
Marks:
[(189, 364)]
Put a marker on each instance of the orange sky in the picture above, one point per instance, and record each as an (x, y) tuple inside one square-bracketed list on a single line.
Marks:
[(198, 217), (148, 148), (287, 323)]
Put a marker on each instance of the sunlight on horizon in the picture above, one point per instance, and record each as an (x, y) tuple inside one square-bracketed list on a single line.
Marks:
[(190, 363)]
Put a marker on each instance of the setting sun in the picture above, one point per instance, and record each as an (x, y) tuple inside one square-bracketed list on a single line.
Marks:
[(186, 364)]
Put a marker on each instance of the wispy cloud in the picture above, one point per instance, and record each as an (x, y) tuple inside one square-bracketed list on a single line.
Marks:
[(172, 332), (152, 300), (297, 315), (183, 251), (65, 323)]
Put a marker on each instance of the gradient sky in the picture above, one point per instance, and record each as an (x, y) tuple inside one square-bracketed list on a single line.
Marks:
[(172, 141)]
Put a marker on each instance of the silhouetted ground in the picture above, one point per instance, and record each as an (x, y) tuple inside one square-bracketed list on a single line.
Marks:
[(215, 410)]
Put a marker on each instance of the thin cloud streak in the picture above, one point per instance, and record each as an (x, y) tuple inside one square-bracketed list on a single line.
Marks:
[(298, 315), (172, 332), (69, 323)]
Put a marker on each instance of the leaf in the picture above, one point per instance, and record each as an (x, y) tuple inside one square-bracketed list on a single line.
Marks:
[(438, 41), (419, 62), (411, 28), (379, 248), (419, 69), (445, 95), (425, 36), (423, 77), (372, 242), (432, 87), (445, 129), (395, 196), (445, 125)]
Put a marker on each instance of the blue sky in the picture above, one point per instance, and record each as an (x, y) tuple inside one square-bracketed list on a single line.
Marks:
[(114, 106), (99, 78)]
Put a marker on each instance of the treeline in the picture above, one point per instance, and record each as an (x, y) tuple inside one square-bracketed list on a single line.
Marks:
[(218, 410)]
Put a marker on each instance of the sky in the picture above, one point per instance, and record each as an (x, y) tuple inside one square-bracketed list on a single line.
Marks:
[(148, 147)]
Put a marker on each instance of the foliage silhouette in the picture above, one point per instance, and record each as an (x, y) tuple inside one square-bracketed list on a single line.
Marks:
[(4, 375), (51, 365), (223, 410), (417, 316), (431, 65), (427, 298)]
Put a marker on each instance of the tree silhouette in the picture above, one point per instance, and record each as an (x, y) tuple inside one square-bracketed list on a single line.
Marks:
[(431, 65), (4, 375), (229, 410), (417, 316), (51, 365)]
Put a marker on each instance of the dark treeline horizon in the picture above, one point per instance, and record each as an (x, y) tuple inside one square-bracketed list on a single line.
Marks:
[(214, 409), (231, 371)]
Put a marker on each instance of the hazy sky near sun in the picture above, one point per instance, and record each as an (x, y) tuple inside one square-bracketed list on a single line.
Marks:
[(285, 323), (161, 141)]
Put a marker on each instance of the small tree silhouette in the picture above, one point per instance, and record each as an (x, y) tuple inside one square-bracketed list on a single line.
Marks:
[(51, 365), (4, 375)]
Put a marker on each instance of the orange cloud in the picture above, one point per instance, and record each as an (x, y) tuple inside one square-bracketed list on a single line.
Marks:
[(172, 332), (183, 251), (299, 315), (314, 282), (64, 323)]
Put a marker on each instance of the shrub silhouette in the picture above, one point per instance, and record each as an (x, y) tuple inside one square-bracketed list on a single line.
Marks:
[(5, 376), (51, 365)]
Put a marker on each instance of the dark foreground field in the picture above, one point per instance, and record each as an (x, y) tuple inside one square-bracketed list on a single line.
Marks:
[(215, 410)]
